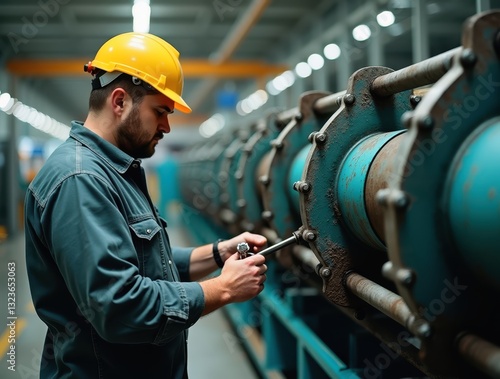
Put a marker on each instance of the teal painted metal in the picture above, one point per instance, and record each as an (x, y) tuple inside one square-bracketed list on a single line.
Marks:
[(293, 138), (307, 339), (474, 201), (229, 168), (288, 144), (335, 245), (257, 146), (351, 186), (461, 101), (295, 174)]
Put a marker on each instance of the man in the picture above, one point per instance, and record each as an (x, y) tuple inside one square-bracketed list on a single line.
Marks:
[(116, 298)]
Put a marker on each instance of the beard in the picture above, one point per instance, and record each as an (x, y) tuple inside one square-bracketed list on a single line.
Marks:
[(131, 137)]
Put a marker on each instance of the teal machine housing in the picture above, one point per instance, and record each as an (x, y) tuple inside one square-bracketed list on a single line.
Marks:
[(393, 186)]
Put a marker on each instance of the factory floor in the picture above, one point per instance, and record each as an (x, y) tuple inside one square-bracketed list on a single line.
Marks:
[(211, 353)]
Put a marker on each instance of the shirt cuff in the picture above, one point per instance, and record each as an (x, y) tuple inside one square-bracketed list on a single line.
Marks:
[(182, 258)]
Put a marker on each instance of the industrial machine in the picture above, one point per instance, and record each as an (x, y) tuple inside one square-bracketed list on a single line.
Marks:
[(392, 186)]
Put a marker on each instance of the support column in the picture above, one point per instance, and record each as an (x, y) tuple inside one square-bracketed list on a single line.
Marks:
[(420, 31)]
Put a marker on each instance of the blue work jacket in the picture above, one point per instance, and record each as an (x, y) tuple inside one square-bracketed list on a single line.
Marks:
[(101, 268)]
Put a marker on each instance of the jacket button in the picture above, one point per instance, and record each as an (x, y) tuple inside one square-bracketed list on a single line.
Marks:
[(148, 231)]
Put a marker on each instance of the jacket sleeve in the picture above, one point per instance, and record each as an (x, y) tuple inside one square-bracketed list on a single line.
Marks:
[(92, 246), (182, 257)]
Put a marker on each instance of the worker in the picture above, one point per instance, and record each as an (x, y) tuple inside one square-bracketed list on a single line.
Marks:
[(117, 299)]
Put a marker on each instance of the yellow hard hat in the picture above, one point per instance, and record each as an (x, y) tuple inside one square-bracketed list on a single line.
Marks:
[(147, 57)]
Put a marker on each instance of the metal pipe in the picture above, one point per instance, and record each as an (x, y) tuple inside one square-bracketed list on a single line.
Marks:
[(283, 118), (481, 353), (286, 242), (419, 74), (329, 104), (380, 298)]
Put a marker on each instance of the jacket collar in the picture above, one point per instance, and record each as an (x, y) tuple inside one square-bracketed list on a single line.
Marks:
[(115, 157)]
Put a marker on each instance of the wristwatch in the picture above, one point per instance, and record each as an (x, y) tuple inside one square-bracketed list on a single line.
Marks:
[(216, 254)]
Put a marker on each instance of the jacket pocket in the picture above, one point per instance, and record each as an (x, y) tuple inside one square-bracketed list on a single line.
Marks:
[(147, 241), (145, 228)]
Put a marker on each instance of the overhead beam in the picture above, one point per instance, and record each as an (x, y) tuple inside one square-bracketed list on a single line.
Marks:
[(195, 68), (234, 38)]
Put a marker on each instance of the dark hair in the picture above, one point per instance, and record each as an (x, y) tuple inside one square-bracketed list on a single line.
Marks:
[(137, 92)]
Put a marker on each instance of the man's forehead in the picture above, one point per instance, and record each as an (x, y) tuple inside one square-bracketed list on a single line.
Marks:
[(162, 101)]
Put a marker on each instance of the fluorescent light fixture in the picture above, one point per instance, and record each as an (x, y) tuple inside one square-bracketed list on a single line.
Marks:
[(211, 126), (27, 114), (316, 61), (303, 70), (331, 51), (361, 32), (141, 11), (385, 18)]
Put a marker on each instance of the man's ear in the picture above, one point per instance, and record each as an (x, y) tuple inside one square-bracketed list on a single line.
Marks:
[(118, 101)]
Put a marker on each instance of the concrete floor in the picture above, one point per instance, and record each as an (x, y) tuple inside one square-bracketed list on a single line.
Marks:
[(211, 355)]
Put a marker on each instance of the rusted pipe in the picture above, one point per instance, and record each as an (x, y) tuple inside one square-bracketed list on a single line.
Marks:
[(419, 74), (329, 104), (380, 298), (482, 354), (283, 118)]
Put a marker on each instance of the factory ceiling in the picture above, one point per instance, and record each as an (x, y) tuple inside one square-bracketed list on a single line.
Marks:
[(225, 45)]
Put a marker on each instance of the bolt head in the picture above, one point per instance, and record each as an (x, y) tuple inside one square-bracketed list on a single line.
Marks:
[(349, 99), (325, 272)]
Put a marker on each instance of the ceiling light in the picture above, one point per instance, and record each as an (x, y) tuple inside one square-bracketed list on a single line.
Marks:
[(331, 51), (6, 101), (141, 11), (361, 32), (303, 70), (211, 126), (385, 18), (272, 89), (316, 61)]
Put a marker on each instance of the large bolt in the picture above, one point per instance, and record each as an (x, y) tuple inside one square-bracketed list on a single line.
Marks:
[(267, 215), (278, 145), (320, 137), (308, 235), (468, 58), (405, 276), (423, 330), (382, 196), (302, 186), (349, 99), (415, 99), (325, 272), (399, 199), (264, 179)]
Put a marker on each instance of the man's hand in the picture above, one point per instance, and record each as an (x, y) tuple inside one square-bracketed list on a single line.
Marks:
[(256, 242), (242, 279)]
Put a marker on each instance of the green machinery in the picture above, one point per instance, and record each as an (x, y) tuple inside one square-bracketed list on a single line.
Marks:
[(393, 185)]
